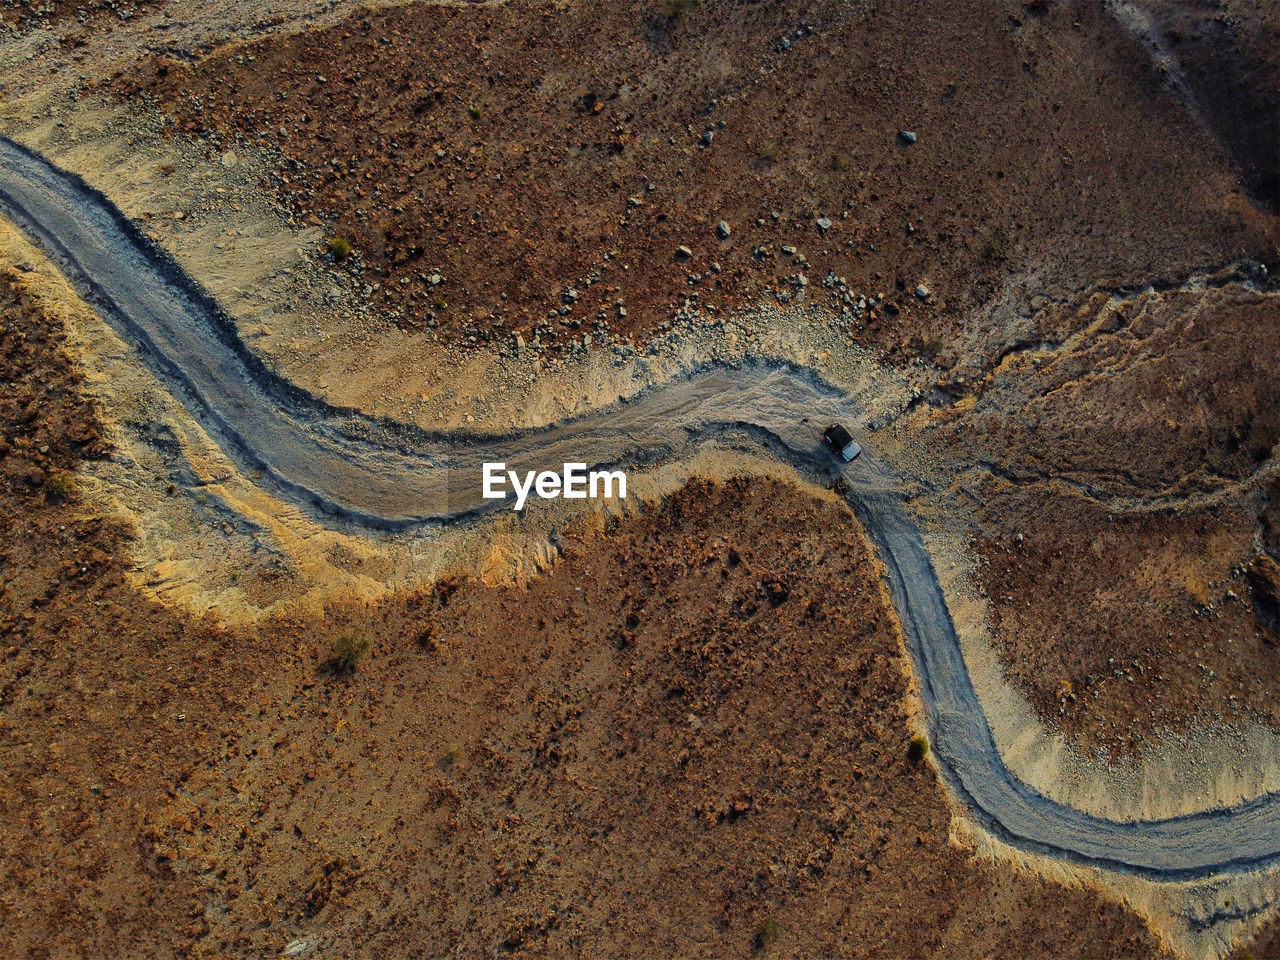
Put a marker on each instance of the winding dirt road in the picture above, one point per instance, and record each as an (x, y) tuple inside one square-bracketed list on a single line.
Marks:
[(360, 471)]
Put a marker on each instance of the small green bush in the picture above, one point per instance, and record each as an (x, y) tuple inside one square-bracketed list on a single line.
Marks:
[(452, 754), (340, 248), (919, 748), (768, 934), (62, 486), (348, 650), (475, 111)]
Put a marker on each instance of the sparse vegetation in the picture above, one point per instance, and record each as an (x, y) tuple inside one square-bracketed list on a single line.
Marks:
[(997, 245), (678, 8), (475, 111), (452, 754), (348, 650), (770, 151), (1198, 588), (62, 486), (768, 934), (919, 748), (340, 248), (933, 343)]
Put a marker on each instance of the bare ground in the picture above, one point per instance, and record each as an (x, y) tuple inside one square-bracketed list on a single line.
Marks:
[(689, 737), (529, 769), (1118, 468), (483, 160)]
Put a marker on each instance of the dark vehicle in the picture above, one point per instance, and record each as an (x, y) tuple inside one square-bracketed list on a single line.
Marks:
[(841, 441)]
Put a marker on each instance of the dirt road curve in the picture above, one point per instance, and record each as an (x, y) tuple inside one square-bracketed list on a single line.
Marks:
[(359, 471)]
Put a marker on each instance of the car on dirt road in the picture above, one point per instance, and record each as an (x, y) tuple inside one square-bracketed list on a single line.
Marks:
[(841, 441)]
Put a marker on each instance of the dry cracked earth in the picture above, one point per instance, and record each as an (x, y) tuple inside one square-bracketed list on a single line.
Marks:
[(689, 737)]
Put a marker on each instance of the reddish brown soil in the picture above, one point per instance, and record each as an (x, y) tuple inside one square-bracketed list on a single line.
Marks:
[(1174, 394), (91, 678), (1098, 559), (503, 147), (49, 425), (1229, 53), (1128, 620), (1263, 947), (1264, 569), (692, 727)]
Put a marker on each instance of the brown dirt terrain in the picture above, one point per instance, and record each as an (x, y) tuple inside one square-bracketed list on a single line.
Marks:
[(1120, 627), (23, 15), (1264, 570), (688, 738), (1118, 510), (685, 731), (1229, 54), (1168, 393), (88, 737), (484, 159), (1265, 945)]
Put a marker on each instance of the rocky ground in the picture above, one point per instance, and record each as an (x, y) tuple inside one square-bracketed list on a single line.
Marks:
[(689, 737), (563, 768), (553, 171), (1120, 472), (24, 15)]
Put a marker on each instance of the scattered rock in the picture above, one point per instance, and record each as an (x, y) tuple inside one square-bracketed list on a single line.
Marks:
[(684, 253), (922, 291), (824, 224), (907, 137), (722, 230)]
